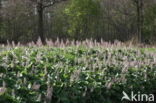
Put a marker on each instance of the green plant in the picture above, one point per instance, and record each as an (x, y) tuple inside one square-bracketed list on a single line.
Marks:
[(74, 75)]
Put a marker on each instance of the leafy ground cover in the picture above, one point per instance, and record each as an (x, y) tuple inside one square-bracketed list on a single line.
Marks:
[(75, 74)]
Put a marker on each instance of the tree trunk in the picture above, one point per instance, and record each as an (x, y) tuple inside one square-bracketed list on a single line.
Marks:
[(0, 13), (141, 19), (0, 20), (40, 21), (139, 4)]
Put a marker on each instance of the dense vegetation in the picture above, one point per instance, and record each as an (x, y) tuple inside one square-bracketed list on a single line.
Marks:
[(26, 20), (54, 51), (75, 74)]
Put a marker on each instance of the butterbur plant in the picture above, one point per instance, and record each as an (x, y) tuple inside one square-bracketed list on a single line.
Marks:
[(74, 74)]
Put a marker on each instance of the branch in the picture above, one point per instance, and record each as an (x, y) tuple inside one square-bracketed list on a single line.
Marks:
[(48, 5), (52, 3), (35, 1)]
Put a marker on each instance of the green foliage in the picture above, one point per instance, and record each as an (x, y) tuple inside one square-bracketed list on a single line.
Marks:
[(76, 75), (79, 11), (16, 24), (150, 23)]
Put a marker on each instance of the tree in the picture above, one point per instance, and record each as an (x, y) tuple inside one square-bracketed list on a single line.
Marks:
[(0, 19), (41, 5), (140, 16), (0, 12), (83, 17), (150, 24)]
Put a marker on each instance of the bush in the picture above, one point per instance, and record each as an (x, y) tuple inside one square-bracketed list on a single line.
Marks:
[(74, 75)]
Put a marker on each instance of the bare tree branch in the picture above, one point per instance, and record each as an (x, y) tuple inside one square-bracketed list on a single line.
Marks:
[(52, 3)]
